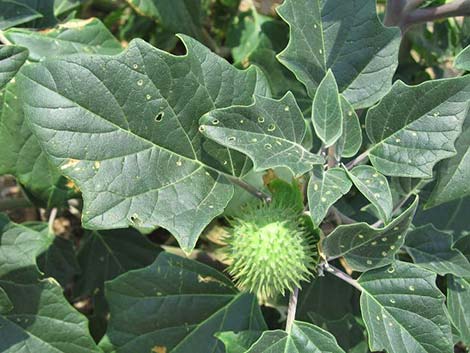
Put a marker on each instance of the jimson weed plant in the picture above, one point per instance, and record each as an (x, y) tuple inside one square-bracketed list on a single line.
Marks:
[(234, 176)]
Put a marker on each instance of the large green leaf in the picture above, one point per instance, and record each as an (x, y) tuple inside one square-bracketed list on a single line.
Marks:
[(351, 140), (42, 320), (104, 255), (453, 174), (28, 13), (413, 128), (238, 342), (11, 59), (23, 157), (158, 170), (462, 61), (404, 310), (75, 36), (374, 186), (347, 38), (176, 305), (270, 132), (304, 338), (433, 249), (327, 115), (324, 189), (458, 303), (366, 247)]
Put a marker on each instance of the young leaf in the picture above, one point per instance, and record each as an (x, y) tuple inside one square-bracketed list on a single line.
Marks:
[(365, 247), (351, 140), (178, 305), (433, 250), (453, 174), (42, 320), (458, 303), (28, 13), (374, 186), (413, 128), (158, 170), (75, 36), (11, 59), (304, 338), (270, 132), (404, 310), (324, 189), (104, 255), (462, 61), (327, 115), (352, 42)]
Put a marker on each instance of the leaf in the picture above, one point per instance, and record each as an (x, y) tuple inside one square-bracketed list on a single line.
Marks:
[(432, 249), (327, 115), (104, 255), (404, 310), (177, 304), (453, 173), (23, 157), (458, 303), (5, 303), (360, 51), (351, 140), (42, 320), (159, 170), (19, 247), (374, 186), (413, 128), (304, 338), (462, 61), (75, 36), (365, 247), (11, 59), (324, 189), (184, 16), (30, 13), (238, 342), (270, 132), (63, 6)]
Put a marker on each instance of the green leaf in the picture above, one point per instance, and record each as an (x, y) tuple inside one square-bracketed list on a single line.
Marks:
[(324, 189), (458, 303), (270, 132), (374, 186), (19, 247), (327, 115), (413, 128), (432, 249), (176, 305), (304, 338), (104, 255), (352, 42), (351, 140), (462, 61), (42, 320), (183, 16), (30, 13), (11, 59), (63, 6), (75, 36), (365, 247), (238, 342), (453, 173), (159, 170), (23, 157), (286, 194), (5, 303), (404, 310)]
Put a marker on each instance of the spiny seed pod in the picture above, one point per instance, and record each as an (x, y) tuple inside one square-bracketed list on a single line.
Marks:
[(268, 251)]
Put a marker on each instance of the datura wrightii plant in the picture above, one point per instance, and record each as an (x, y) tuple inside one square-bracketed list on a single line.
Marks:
[(321, 167)]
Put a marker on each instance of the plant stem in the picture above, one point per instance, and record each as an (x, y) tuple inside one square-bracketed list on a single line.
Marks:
[(11, 204), (332, 157), (4, 39), (341, 216), (454, 8), (363, 157), (292, 309), (250, 188), (52, 217), (341, 275)]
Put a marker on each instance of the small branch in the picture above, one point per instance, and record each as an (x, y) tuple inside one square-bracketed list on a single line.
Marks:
[(52, 217), (341, 216), (332, 157), (250, 188), (362, 158), (4, 39), (292, 309), (11, 204), (454, 8), (341, 275)]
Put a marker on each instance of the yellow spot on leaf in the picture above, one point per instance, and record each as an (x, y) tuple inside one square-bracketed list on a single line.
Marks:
[(159, 349), (70, 163)]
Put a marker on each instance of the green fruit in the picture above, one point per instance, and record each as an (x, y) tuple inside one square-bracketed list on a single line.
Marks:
[(268, 250)]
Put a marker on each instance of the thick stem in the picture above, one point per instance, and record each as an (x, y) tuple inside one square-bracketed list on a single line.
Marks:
[(4, 39), (394, 12), (292, 309), (341, 275), (250, 188), (332, 157), (362, 158), (454, 8)]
